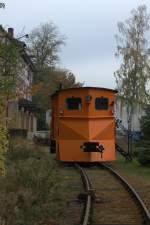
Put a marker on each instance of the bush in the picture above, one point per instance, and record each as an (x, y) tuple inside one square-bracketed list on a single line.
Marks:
[(143, 146), (21, 150), (30, 191), (135, 151), (143, 154)]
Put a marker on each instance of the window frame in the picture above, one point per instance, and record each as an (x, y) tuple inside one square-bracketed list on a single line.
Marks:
[(80, 105), (103, 106)]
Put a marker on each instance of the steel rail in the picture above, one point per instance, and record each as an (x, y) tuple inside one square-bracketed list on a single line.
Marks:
[(131, 190), (88, 205)]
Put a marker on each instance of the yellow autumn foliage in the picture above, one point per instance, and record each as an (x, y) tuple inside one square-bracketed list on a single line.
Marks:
[(3, 147), (4, 142), (36, 88)]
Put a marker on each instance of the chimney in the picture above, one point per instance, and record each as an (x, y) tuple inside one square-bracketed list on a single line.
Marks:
[(60, 86), (11, 32)]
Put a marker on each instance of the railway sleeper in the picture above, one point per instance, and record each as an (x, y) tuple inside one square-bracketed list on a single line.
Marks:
[(82, 197)]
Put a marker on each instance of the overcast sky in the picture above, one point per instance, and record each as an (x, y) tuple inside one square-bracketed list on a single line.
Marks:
[(89, 26)]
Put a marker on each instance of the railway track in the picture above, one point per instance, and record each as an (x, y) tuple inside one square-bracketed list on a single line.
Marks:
[(110, 199)]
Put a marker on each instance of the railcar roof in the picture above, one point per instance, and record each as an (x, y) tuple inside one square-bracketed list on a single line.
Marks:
[(74, 88)]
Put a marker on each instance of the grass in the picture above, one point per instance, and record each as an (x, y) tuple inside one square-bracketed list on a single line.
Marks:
[(132, 168), (137, 175)]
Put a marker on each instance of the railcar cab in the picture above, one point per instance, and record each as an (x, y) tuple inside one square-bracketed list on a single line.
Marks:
[(83, 125)]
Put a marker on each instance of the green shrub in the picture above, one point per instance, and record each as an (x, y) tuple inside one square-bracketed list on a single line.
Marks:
[(143, 155), (31, 190), (135, 151), (143, 146)]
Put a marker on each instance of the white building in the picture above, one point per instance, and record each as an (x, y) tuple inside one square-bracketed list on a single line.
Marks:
[(48, 117), (21, 112), (121, 114)]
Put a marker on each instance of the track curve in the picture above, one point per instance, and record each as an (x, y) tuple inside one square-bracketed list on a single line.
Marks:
[(115, 202), (144, 210)]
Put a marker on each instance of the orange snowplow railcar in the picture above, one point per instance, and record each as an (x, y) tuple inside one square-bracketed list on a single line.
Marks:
[(83, 125)]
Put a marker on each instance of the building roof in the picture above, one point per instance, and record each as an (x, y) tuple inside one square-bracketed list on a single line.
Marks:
[(23, 53)]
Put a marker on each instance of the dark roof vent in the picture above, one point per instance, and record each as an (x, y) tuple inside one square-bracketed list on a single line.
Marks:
[(60, 86), (11, 32), (1, 27)]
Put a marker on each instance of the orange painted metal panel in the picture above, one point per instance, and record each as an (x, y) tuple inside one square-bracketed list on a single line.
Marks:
[(72, 128)]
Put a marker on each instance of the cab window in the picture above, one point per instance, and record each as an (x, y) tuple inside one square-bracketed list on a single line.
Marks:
[(74, 103), (101, 103)]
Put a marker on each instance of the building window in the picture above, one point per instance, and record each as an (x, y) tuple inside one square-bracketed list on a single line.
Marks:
[(74, 103), (101, 103)]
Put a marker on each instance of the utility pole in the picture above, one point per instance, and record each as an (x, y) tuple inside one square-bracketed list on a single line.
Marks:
[(129, 120)]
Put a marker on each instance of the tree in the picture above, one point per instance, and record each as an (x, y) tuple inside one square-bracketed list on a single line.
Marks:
[(50, 82), (134, 73), (2, 5), (9, 67), (44, 44)]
